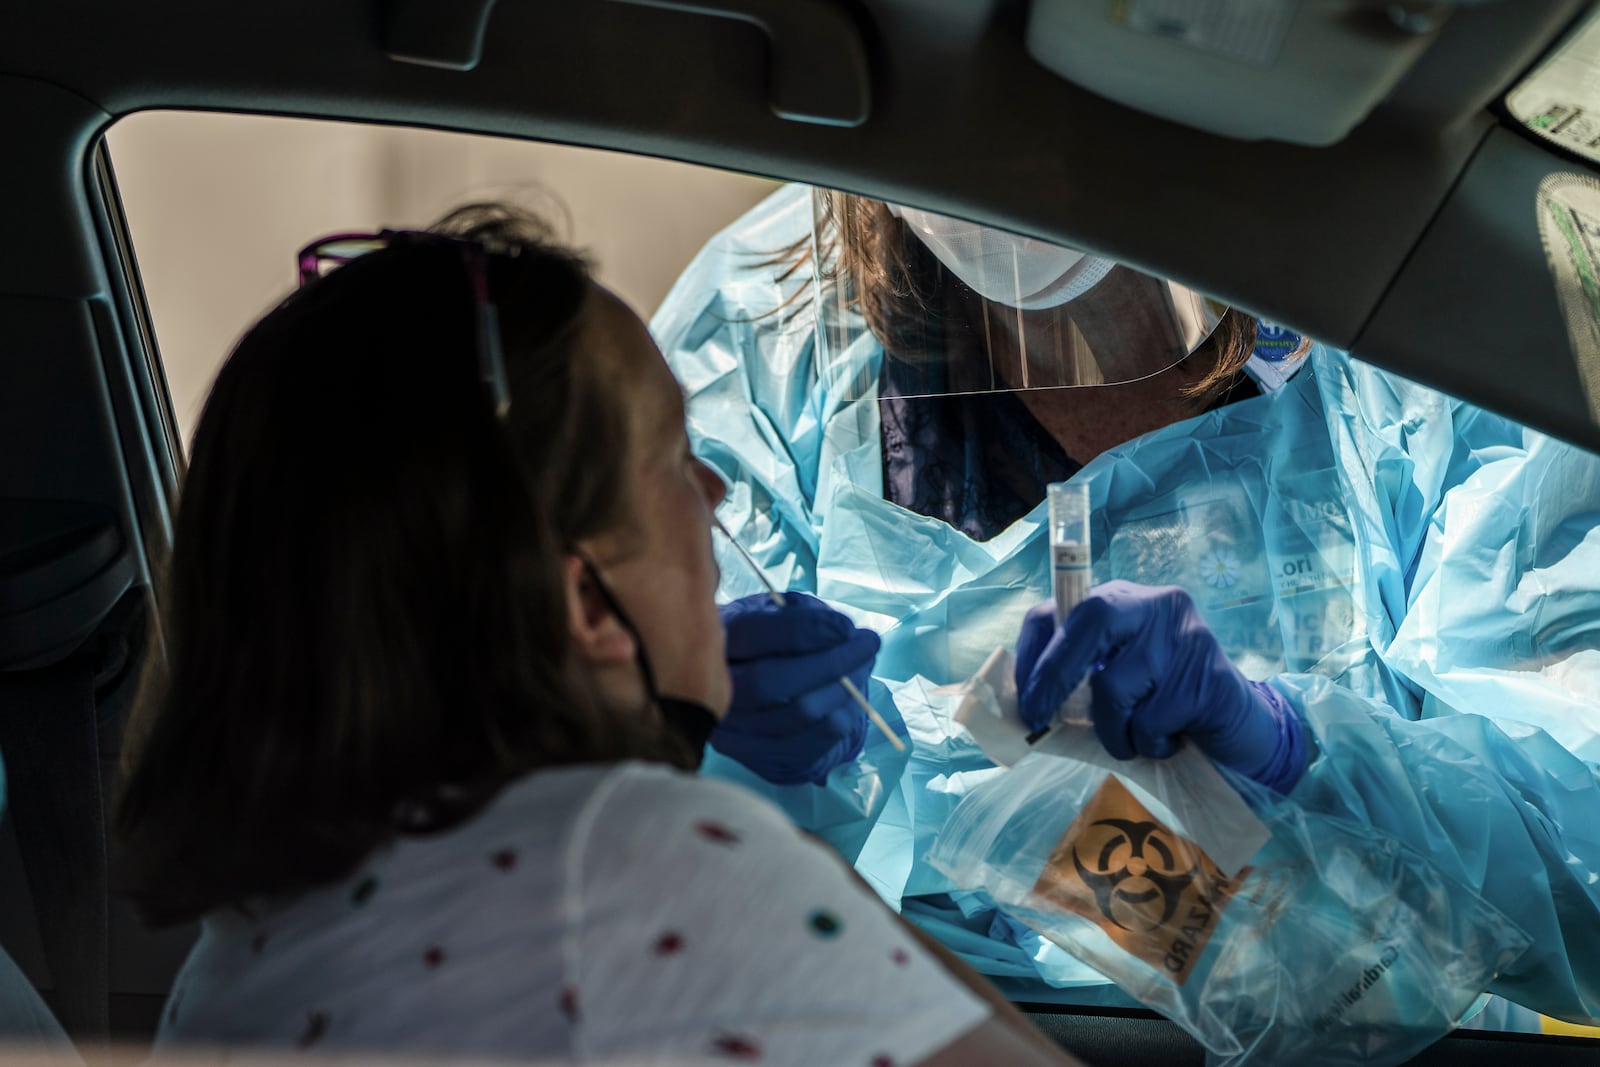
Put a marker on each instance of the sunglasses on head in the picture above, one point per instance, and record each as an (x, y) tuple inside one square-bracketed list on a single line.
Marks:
[(322, 256)]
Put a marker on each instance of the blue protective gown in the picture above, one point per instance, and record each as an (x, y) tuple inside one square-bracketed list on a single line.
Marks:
[(1421, 579)]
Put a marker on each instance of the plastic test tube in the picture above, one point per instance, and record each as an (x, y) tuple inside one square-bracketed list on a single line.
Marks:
[(1069, 546), (1070, 573)]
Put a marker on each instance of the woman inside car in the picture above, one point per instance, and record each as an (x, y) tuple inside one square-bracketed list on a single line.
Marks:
[(440, 643)]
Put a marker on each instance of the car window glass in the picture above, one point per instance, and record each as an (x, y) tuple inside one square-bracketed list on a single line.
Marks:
[(217, 206), (1329, 520)]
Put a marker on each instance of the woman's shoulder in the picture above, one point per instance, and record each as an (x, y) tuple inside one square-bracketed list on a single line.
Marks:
[(631, 801), (746, 263), (637, 798), (544, 837), (642, 825), (775, 222), (630, 782)]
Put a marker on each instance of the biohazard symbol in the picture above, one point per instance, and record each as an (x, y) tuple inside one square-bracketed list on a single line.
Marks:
[(1136, 872), (1153, 892)]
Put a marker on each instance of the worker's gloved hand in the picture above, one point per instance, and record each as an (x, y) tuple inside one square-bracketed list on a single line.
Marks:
[(1156, 672), (791, 721)]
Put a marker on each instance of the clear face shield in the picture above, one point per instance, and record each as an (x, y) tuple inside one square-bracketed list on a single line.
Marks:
[(962, 308)]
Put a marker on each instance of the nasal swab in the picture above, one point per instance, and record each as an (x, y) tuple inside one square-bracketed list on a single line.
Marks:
[(777, 598), (744, 554), (872, 713)]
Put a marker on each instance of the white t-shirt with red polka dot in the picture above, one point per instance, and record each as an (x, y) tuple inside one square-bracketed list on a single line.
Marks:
[(587, 914)]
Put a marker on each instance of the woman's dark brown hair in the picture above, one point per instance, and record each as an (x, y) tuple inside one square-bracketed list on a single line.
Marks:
[(898, 285), (364, 614)]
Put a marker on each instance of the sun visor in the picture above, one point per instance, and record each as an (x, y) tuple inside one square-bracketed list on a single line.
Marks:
[(1286, 70)]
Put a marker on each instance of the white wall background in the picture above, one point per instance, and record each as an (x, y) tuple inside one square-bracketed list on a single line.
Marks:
[(218, 205)]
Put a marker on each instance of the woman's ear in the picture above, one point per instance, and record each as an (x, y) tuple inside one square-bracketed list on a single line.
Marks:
[(598, 636)]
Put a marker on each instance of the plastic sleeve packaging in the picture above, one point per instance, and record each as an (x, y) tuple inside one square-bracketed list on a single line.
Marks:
[(1334, 944)]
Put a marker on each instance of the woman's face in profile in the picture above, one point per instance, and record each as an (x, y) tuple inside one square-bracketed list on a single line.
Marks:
[(662, 569)]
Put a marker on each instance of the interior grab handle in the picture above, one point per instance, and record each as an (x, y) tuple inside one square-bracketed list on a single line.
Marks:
[(820, 73), (436, 33)]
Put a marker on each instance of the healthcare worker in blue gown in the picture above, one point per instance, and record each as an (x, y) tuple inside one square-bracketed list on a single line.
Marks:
[(1389, 605)]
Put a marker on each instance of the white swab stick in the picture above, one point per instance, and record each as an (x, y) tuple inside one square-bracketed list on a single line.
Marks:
[(777, 598), (772, 590), (872, 713)]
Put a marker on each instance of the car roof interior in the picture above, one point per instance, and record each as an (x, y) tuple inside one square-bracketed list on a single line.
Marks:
[(1410, 239)]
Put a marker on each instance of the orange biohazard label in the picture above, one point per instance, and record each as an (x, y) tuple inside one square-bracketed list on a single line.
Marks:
[(1152, 891)]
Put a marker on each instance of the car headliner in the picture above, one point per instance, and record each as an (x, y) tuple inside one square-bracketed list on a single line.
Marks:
[(957, 118)]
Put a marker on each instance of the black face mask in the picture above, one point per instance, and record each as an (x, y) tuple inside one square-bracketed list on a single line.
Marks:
[(440, 807), (690, 720)]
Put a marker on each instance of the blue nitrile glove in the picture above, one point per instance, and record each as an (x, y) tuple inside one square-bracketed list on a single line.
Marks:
[(1158, 673), (791, 721)]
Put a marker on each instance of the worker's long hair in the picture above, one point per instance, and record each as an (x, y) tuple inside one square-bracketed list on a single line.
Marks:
[(364, 613), (897, 284)]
